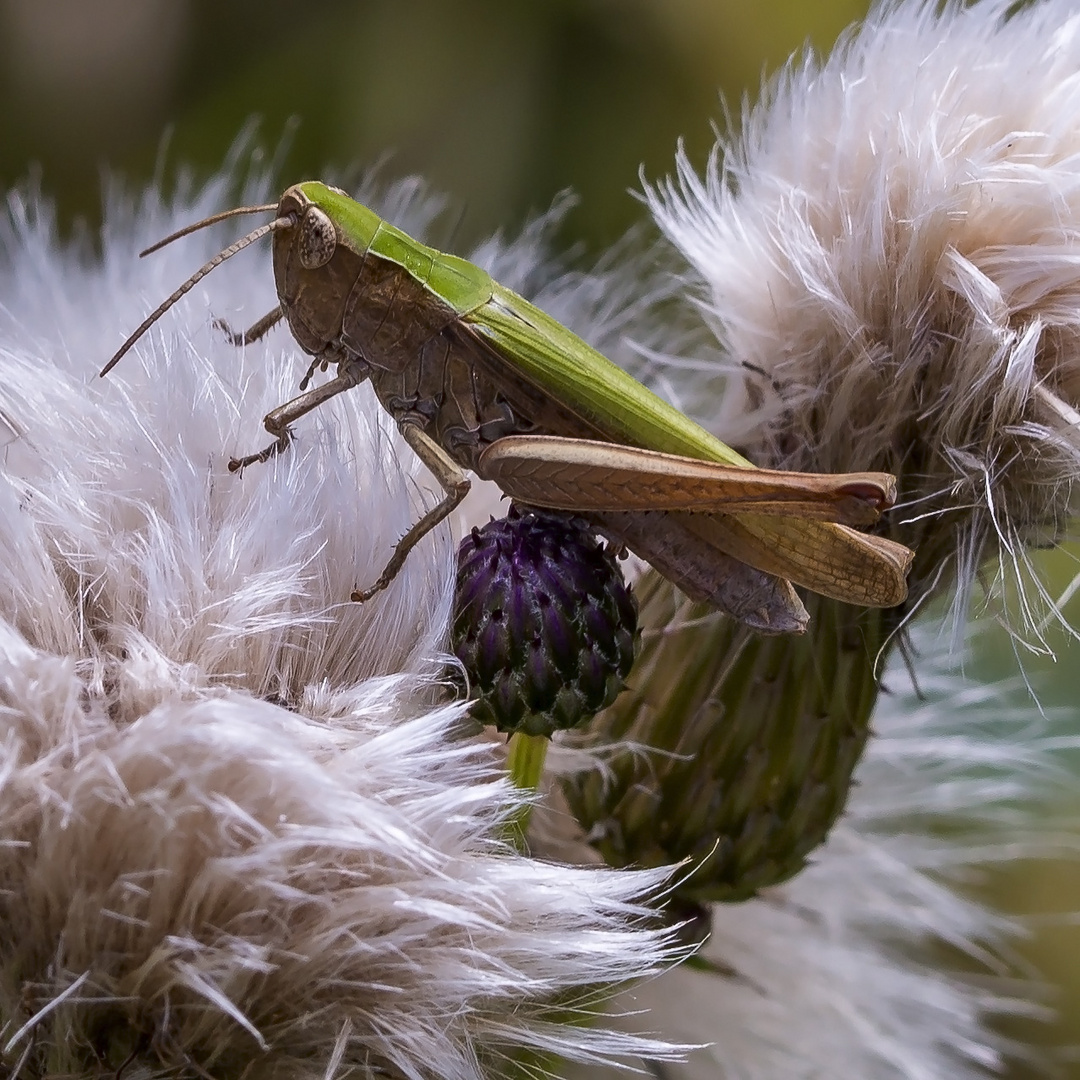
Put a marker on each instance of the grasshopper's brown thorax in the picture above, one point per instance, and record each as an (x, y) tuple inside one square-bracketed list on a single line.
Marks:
[(351, 299)]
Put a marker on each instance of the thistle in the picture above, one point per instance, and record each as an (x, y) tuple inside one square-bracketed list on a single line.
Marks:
[(221, 885), (544, 623), (241, 834), (886, 255)]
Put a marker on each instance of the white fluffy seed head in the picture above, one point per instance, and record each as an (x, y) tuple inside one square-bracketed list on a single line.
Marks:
[(890, 257), (235, 828)]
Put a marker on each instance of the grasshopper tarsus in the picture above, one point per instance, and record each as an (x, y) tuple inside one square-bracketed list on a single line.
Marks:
[(278, 420), (278, 446), (359, 596), (405, 545), (257, 330), (393, 567), (229, 334)]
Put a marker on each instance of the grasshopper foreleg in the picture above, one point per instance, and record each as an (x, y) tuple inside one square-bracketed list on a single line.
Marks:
[(277, 421), (252, 333), (454, 483), (261, 329)]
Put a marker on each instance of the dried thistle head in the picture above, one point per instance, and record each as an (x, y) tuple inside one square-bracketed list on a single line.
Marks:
[(889, 254), (239, 837)]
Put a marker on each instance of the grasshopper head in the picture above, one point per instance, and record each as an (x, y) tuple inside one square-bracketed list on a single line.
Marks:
[(320, 237), (317, 259), (277, 225)]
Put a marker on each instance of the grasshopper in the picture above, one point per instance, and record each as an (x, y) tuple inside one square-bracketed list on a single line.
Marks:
[(479, 379)]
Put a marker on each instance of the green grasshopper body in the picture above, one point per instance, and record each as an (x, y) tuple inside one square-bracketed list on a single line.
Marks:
[(478, 378)]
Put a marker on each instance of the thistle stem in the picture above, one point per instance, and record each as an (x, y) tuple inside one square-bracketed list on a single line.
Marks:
[(525, 764)]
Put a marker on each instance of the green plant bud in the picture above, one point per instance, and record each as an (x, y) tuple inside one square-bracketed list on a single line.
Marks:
[(755, 740), (544, 623)]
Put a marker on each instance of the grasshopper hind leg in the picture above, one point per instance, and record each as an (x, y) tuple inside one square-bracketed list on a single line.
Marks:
[(455, 485)]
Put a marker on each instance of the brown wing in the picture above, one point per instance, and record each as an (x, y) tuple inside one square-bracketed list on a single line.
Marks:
[(583, 474)]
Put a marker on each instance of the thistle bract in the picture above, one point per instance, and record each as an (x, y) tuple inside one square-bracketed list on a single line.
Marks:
[(544, 623)]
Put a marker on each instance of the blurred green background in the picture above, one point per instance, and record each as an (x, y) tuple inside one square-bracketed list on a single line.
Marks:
[(499, 103)]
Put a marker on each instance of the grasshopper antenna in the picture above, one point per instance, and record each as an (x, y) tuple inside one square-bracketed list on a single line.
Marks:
[(212, 220), (286, 222)]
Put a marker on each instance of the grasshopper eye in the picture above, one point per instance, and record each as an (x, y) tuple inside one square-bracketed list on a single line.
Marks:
[(317, 240)]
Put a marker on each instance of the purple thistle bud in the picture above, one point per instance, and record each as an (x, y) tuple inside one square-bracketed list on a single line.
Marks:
[(544, 622)]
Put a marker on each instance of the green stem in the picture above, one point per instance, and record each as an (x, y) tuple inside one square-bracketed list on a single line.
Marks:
[(525, 764)]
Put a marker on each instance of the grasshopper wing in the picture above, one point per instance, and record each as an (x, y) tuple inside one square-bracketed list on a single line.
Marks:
[(763, 602), (833, 560), (526, 352), (586, 475), (781, 523)]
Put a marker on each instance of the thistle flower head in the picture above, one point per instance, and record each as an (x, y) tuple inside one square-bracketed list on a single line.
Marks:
[(544, 623), (888, 254)]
